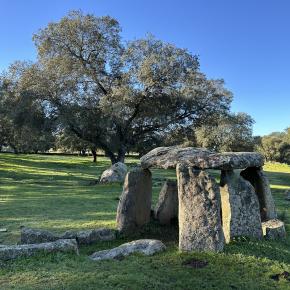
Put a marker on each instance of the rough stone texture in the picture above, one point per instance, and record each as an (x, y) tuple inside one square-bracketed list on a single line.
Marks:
[(91, 236), (116, 173), (135, 202), (259, 180), (200, 227), (168, 157), (167, 206), (147, 247), (240, 207), (287, 195), (274, 229), (36, 236), (15, 251)]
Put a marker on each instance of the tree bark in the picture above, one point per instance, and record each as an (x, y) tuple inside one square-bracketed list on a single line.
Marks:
[(121, 154), (94, 153)]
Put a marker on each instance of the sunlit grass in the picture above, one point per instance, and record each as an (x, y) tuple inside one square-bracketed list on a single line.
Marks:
[(56, 193)]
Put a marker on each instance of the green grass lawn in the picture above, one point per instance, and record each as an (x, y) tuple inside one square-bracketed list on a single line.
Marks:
[(56, 193)]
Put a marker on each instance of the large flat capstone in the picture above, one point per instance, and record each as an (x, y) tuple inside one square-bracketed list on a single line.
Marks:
[(169, 157)]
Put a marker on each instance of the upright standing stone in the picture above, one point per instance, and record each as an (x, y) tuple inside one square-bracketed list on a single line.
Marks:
[(167, 206), (135, 203), (259, 180), (240, 207), (200, 226)]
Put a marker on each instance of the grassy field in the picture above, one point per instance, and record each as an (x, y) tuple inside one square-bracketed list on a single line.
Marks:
[(56, 193)]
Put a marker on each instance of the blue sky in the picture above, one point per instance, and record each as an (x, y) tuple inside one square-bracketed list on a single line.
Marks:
[(245, 42)]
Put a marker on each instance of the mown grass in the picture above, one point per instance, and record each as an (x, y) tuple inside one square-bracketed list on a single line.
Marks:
[(56, 193)]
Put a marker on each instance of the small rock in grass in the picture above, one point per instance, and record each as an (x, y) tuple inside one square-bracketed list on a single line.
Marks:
[(274, 229), (194, 263), (8, 252), (146, 246), (284, 275)]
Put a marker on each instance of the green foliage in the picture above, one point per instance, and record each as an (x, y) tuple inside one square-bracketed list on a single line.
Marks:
[(115, 95), (24, 125), (54, 193), (230, 133), (276, 146)]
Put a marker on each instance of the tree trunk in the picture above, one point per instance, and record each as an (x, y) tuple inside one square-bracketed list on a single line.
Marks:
[(94, 153), (121, 154), (112, 156)]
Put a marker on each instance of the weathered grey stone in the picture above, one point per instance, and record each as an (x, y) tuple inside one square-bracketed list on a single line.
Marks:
[(91, 236), (15, 251), (287, 195), (240, 207), (168, 157), (135, 202), (116, 173), (274, 229), (36, 236), (200, 227), (167, 206), (259, 180), (147, 247)]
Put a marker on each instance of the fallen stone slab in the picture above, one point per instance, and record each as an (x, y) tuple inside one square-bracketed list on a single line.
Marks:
[(199, 213), (91, 236), (116, 173), (167, 206), (36, 236), (274, 229), (12, 252), (147, 247), (169, 157), (87, 237)]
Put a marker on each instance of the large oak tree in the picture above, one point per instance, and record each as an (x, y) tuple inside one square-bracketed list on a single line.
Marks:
[(117, 95)]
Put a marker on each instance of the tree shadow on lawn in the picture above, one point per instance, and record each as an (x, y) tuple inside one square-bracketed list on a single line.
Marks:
[(278, 178)]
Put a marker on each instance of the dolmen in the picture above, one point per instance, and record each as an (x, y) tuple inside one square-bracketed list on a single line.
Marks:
[(210, 214)]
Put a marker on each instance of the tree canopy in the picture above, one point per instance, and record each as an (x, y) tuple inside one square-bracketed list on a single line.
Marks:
[(121, 96)]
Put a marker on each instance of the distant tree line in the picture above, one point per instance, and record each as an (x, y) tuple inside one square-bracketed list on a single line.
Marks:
[(90, 90), (275, 146)]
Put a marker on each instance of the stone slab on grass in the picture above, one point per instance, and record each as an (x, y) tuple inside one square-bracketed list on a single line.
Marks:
[(147, 247), (8, 252), (87, 237)]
